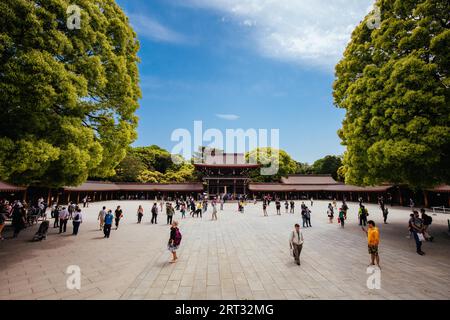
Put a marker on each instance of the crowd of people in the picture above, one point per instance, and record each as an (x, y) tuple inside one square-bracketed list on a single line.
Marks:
[(22, 215)]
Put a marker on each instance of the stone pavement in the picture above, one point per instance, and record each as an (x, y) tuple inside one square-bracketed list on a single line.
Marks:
[(240, 256)]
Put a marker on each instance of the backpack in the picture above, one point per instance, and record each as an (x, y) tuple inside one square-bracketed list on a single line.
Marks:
[(178, 238)]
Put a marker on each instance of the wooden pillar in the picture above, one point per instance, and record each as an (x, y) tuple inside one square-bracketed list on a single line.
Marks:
[(400, 198), (68, 197), (425, 198), (49, 195)]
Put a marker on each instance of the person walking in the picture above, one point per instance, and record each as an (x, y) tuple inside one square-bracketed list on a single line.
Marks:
[(330, 213), (55, 215), (77, 221), (140, 214), (169, 212), (174, 240), (118, 215), (265, 208), (183, 210), (286, 206), (199, 210), (155, 213), (385, 214), (18, 218), (278, 206), (108, 223), (296, 243), (417, 229), (345, 208), (373, 239), (101, 217), (303, 218), (292, 206), (2, 222), (342, 217), (312, 202), (308, 217), (427, 221), (63, 218), (214, 212), (363, 213)]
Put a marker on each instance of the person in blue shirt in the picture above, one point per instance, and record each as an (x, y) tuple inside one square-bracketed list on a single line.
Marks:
[(108, 223)]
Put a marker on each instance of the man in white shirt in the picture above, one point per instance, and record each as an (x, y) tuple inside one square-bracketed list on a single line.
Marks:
[(77, 220), (101, 217), (63, 217), (296, 243)]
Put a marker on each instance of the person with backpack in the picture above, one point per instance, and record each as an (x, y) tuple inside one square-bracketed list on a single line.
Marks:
[(155, 213), (427, 221), (363, 213), (77, 220), (108, 223), (174, 240)]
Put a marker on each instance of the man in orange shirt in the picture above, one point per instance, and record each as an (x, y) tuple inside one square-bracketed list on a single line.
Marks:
[(373, 239)]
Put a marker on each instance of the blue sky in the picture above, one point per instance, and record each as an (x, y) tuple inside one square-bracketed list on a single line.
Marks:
[(243, 64)]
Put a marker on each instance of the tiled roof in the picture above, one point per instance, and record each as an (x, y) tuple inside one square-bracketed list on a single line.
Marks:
[(6, 187), (108, 186), (313, 179), (278, 187)]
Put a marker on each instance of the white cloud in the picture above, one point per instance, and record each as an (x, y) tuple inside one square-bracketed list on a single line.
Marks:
[(147, 27), (306, 31), (230, 117)]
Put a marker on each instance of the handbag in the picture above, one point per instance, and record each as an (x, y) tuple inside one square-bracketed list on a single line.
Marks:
[(421, 237)]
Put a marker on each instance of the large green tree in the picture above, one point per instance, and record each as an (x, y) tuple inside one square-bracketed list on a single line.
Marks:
[(68, 97), (271, 158), (155, 158), (393, 82), (328, 165)]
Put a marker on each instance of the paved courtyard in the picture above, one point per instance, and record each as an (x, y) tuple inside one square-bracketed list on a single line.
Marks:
[(240, 256)]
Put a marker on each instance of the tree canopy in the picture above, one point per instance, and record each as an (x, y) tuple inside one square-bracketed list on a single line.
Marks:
[(68, 97), (328, 165), (393, 82), (153, 164), (271, 157)]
